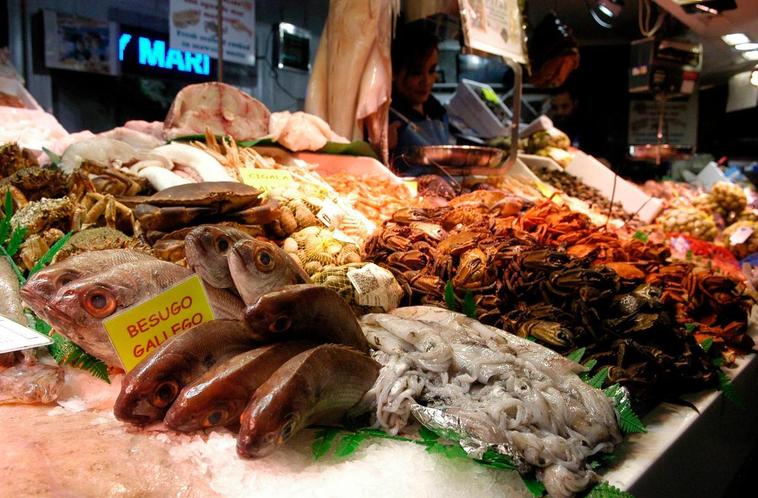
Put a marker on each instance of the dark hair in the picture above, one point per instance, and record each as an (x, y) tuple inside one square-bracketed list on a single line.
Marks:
[(412, 44)]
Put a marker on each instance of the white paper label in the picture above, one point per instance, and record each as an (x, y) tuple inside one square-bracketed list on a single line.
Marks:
[(330, 214), (15, 337), (343, 237), (740, 236), (375, 286)]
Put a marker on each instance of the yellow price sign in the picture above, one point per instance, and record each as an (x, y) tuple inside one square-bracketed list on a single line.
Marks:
[(139, 330), (267, 179), (412, 186)]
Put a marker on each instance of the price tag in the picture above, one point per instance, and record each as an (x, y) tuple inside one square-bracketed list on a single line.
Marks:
[(267, 179), (330, 214), (16, 337), (140, 329), (375, 286), (740, 235)]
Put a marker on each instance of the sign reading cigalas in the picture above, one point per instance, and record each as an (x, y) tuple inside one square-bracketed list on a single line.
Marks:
[(494, 27), (193, 27)]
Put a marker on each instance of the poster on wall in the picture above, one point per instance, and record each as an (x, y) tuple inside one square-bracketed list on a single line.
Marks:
[(494, 27), (79, 43), (679, 123), (193, 27)]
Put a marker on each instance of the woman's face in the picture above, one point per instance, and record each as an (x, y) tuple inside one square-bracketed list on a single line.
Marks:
[(414, 84)]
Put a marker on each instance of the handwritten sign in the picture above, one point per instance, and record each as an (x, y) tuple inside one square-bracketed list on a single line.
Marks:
[(16, 337), (193, 27), (139, 330), (267, 179), (493, 26)]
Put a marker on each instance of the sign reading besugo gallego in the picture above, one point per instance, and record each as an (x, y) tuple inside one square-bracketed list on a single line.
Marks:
[(494, 27), (139, 330)]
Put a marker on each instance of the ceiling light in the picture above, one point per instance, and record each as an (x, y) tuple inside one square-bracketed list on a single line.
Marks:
[(606, 12), (735, 38), (751, 56), (747, 46)]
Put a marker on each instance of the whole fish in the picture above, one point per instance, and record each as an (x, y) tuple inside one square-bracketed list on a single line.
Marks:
[(47, 282), (148, 390), (206, 248), (320, 385), (78, 309), (306, 311), (258, 266), (218, 397), (10, 297)]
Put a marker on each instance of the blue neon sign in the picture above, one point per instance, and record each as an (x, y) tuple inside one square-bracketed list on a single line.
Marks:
[(154, 53)]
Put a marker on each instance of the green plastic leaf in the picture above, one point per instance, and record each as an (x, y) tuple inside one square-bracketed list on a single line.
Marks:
[(66, 352), (599, 378), (689, 255), (55, 159), (590, 364), (5, 224), (349, 444), (323, 442), (469, 306), (629, 421), (531, 338), (730, 393), (718, 362), (50, 254), (447, 450), (450, 300), (535, 487), (428, 435), (690, 327), (492, 458), (707, 344), (17, 238), (605, 490), (577, 355), (357, 148), (641, 236)]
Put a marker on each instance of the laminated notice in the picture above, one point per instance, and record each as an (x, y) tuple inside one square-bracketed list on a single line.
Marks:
[(16, 337), (375, 286), (330, 214), (740, 235)]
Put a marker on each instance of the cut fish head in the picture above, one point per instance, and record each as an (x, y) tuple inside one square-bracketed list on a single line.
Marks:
[(207, 248)]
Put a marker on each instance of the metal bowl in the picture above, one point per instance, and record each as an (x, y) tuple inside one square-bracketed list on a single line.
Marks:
[(457, 156)]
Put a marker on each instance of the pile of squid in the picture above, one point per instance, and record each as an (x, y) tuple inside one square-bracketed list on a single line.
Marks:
[(547, 273), (494, 390)]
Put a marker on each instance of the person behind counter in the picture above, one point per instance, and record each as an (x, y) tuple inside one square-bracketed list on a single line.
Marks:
[(416, 117)]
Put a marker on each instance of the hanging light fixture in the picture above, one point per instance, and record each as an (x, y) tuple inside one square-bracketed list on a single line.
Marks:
[(606, 12)]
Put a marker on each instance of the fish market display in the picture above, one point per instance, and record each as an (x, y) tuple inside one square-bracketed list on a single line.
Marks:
[(257, 266), (206, 249), (549, 273), (218, 397), (377, 198), (77, 309), (320, 385), (223, 109), (495, 390), (308, 312), (148, 391)]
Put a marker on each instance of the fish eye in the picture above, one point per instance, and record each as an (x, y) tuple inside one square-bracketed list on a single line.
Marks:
[(264, 260), (222, 245), (281, 324), (99, 303), (165, 393), (65, 279), (216, 417)]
